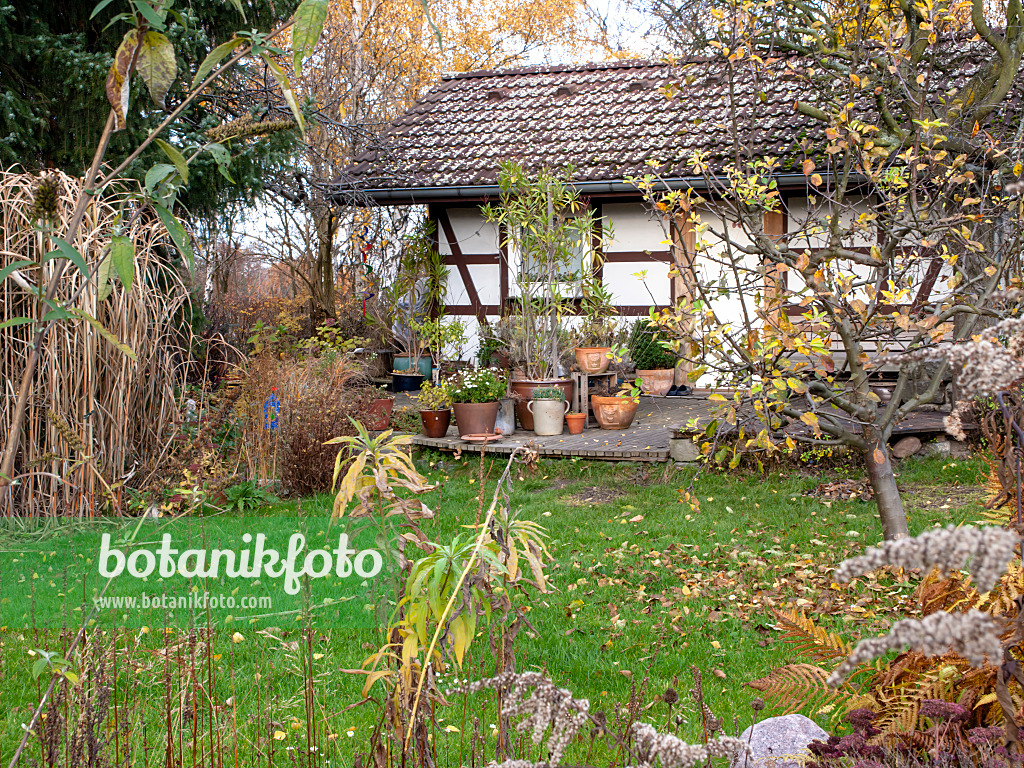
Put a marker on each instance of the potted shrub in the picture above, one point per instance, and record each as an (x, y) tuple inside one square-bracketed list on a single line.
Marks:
[(576, 422), (655, 365), (446, 338), (547, 230), (435, 409), (595, 337), (548, 407), (474, 395), (617, 411)]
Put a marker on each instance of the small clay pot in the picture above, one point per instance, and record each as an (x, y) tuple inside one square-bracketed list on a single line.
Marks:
[(436, 423), (593, 359), (613, 412), (575, 422)]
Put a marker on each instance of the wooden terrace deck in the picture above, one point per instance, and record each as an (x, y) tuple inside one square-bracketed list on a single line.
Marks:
[(657, 421)]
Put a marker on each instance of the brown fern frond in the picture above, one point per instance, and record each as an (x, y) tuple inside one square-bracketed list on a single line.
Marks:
[(796, 687), (810, 639), (900, 703), (945, 593)]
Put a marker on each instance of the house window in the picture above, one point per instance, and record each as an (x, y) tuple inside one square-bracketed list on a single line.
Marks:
[(573, 255)]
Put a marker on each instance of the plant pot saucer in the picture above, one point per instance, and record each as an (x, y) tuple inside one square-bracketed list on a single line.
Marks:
[(482, 439)]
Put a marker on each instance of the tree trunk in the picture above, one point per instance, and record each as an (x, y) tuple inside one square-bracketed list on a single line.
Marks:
[(883, 482), (323, 267)]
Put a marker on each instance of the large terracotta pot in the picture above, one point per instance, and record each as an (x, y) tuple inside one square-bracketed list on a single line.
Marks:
[(548, 416), (613, 412), (593, 359), (436, 423), (523, 388), (380, 411), (657, 382), (475, 418)]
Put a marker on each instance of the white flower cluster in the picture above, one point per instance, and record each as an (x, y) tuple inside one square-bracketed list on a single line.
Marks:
[(673, 752), (949, 549), (545, 706), (973, 635)]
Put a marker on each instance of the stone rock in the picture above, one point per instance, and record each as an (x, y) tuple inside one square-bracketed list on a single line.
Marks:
[(779, 742), (951, 448), (908, 446), (683, 449)]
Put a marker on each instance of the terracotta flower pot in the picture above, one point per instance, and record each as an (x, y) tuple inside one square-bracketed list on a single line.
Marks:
[(613, 412), (475, 418), (380, 411), (593, 359), (523, 388), (575, 422), (657, 382), (436, 423)]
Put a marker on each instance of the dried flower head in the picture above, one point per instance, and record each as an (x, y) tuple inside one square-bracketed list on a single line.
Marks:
[(246, 128), (948, 549), (973, 635), (546, 706), (672, 752), (45, 199), (670, 696)]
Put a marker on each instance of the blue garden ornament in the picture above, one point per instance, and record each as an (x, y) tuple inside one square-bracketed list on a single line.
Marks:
[(271, 411)]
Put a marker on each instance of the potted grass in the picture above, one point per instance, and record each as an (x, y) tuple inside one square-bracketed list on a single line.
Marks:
[(655, 365), (435, 409), (548, 407), (617, 411), (548, 231), (474, 395)]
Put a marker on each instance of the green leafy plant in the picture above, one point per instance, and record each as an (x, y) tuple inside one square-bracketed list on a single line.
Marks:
[(647, 350), (597, 306), (55, 663), (548, 393), (434, 397), (248, 496), (483, 385)]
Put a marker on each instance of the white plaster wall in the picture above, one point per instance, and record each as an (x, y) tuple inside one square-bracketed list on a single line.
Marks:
[(627, 288), (728, 307), (473, 234), (809, 222), (487, 280), (456, 293), (633, 228)]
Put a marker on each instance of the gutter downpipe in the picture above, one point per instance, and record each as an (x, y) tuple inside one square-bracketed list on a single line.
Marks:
[(415, 195)]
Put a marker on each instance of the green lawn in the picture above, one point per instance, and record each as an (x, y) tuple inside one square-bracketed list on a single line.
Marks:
[(643, 589)]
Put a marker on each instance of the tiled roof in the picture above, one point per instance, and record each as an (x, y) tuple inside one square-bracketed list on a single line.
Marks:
[(607, 120)]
